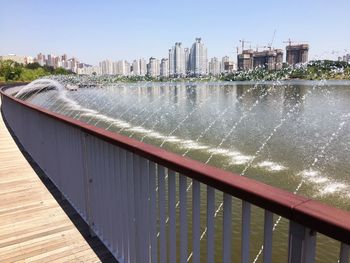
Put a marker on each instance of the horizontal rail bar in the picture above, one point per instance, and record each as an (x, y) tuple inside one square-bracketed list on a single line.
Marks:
[(322, 218)]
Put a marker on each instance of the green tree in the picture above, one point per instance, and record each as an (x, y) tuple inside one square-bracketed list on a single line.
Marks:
[(61, 71), (10, 70), (34, 65)]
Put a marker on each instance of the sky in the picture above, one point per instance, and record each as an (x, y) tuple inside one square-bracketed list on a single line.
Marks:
[(96, 30)]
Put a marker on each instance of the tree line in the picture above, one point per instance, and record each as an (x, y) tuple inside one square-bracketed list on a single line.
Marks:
[(14, 71)]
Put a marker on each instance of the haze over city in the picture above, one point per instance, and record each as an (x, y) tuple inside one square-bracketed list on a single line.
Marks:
[(93, 31)]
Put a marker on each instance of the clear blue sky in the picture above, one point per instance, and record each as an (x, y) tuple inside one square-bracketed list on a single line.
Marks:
[(96, 30)]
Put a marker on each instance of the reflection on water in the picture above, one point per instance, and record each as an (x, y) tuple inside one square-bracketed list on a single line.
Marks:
[(292, 135)]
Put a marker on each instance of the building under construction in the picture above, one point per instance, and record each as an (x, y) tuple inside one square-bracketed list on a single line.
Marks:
[(297, 53), (270, 59), (245, 60)]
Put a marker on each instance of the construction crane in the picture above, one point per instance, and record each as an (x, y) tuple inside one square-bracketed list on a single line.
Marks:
[(289, 41), (273, 38), (257, 47), (243, 42)]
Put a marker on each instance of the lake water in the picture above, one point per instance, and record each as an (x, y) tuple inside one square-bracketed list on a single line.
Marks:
[(294, 135)]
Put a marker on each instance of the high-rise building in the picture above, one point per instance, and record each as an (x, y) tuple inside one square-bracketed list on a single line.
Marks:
[(198, 58), (73, 65), (268, 59), (136, 67), (57, 62), (180, 62), (187, 60), (297, 54), (143, 67), (139, 67), (28, 60), (106, 67), (177, 60), (345, 58), (227, 65), (40, 58), (172, 61), (114, 68), (164, 67), (121, 67), (214, 67), (153, 68)]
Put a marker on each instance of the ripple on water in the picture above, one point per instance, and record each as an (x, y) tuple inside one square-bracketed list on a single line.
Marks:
[(271, 166), (325, 185)]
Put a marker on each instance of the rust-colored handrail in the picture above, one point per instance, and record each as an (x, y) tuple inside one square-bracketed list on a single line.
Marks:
[(322, 218)]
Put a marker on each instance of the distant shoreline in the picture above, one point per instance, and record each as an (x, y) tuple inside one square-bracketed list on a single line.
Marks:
[(313, 70)]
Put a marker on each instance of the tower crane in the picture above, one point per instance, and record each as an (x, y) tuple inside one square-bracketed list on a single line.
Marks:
[(243, 42), (289, 42), (273, 38), (257, 47)]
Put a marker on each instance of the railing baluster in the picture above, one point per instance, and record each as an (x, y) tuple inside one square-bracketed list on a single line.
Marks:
[(103, 175), (268, 229), (302, 244), (153, 212), (162, 216), (138, 207), (117, 198), (227, 231), (131, 224), (144, 223), (172, 216), (196, 221), (110, 185), (296, 237), (210, 223), (309, 249), (183, 218), (123, 203), (245, 231), (344, 253)]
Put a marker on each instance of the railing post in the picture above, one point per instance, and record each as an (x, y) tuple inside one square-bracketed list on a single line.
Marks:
[(296, 237), (309, 246), (210, 224), (162, 215), (227, 228), (268, 230), (183, 218), (302, 244), (196, 226), (344, 253), (245, 231)]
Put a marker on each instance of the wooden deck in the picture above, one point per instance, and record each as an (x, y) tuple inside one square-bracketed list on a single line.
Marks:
[(35, 224)]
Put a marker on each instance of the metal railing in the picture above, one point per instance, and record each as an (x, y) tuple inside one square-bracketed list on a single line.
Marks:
[(127, 190)]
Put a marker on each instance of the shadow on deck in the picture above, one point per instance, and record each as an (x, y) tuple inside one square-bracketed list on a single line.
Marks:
[(95, 244)]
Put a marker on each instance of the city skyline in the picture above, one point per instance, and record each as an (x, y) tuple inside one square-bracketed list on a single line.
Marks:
[(96, 31)]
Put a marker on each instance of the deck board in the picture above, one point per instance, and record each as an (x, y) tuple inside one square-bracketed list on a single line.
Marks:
[(34, 225)]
